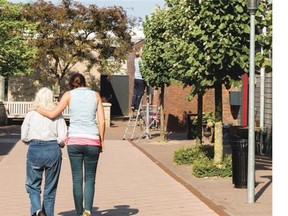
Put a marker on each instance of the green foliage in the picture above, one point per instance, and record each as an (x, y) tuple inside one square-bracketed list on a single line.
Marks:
[(212, 43), (207, 168), (201, 159), (203, 43), (189, 155), (186, 156), (264, 36), (155, 68), (208, 118), (16, 53)]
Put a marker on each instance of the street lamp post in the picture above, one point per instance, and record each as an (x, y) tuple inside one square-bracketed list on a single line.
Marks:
[(252, 7)]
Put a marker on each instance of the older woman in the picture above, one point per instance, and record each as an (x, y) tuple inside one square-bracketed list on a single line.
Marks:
[(43, 136)]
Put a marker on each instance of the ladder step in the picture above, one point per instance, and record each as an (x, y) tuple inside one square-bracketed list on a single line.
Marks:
[(133, 119)]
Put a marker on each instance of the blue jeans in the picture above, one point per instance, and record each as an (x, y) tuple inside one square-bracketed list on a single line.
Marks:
[(83, 157), (43, 156), (138, 91)]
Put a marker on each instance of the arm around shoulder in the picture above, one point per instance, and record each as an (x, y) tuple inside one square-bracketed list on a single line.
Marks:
[(58, 109)]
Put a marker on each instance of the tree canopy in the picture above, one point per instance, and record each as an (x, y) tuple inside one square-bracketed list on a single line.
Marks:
[(155, 69), (205, 44), (15, 36), (70, 32)]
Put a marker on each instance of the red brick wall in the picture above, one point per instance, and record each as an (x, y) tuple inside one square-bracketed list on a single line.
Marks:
[(177, 106)]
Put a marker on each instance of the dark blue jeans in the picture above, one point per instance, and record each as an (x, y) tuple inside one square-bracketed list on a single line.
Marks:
[(83, 158), (138, 91), (43, 156)]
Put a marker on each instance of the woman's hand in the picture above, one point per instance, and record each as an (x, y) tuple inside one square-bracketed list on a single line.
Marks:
[(32, 108), (102, 147)]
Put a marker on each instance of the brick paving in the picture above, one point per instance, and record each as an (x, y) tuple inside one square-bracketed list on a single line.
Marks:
[(135, 179), (128, 183)]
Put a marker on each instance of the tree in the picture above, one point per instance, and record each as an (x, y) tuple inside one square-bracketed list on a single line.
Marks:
[(16, 53), (264, 36), (207, 46), (69, 33), (214, 36), (155, 69), (222, 34)]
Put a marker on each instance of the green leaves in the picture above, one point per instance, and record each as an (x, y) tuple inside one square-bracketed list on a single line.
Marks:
[(239, 9), (53, 38), (16, 53), (199, 44)]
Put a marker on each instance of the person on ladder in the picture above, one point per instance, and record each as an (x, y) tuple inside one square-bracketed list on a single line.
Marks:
[(139, 83)]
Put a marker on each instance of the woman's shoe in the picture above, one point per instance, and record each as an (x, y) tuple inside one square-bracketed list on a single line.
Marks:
[(86, 213), (39, 213)]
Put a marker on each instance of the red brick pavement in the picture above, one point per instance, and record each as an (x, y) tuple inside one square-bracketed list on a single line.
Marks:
[(128, 183)]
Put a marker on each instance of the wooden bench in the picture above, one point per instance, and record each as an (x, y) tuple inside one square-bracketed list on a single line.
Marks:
[(18, 110)]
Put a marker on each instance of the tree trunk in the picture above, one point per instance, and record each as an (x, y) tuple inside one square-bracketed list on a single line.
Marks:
[(218, 144), (199, 116), (162, 119)]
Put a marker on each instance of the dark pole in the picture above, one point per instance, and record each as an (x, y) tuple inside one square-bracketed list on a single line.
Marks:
[(147, 111)]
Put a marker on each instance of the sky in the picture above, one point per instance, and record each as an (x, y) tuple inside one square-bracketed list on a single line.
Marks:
[(134, 8)]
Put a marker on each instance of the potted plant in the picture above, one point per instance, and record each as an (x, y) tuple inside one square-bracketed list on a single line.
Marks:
[(208, 121)]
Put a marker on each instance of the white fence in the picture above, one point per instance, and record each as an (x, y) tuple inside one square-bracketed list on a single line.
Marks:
[(18, 110)]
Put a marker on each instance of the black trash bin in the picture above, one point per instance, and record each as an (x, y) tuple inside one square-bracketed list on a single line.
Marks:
[(239, 162)]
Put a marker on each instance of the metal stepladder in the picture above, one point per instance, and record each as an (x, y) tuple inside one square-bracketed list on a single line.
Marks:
[(150, 118), (134, 120), (146, 117)]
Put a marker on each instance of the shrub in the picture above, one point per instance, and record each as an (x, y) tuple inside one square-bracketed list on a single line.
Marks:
[(201, 159), (207, 168), (188, 156)]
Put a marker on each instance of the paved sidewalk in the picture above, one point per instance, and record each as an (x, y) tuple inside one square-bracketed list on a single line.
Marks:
[(136, 178), (128, 183), (218, 193)]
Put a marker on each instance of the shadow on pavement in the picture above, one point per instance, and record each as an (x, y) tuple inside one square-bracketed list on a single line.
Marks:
[(9, 135), (264, 188), (123, 210)]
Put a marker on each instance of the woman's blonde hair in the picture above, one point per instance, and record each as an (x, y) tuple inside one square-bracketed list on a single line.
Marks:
[(44, 98)]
